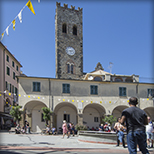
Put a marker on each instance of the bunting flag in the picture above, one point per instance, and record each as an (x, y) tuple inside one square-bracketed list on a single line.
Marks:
[(20, 16), (7, 30), (2, 36), (14, 22), (30, 6)]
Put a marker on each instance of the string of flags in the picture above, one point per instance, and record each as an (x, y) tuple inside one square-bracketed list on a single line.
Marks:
[(19, 16), (101, 101)]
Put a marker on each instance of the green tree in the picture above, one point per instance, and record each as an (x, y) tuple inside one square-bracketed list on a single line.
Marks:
[(109, 119), (46, 114), (16, 113), (80, 127)]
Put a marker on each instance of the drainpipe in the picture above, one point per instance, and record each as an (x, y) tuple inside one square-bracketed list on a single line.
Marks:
[(4, 78), (51, 107), (52, 103), (49, 92)]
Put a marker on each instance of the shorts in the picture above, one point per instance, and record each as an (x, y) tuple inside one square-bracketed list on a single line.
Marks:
[(149, 135)]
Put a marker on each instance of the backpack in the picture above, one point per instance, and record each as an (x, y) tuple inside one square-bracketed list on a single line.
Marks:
[(68, 126)]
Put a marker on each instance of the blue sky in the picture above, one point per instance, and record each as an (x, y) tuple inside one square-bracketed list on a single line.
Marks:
[(120, 32)]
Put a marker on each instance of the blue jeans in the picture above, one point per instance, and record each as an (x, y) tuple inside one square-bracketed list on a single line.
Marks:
[(134, 138)]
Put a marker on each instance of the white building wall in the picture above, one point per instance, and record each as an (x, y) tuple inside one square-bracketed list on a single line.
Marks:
[(88, 117)]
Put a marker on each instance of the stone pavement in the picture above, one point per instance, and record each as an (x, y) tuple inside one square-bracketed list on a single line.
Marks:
[(54, 142)]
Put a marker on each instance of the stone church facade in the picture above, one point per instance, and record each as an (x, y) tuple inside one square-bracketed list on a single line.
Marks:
[(74, 96)]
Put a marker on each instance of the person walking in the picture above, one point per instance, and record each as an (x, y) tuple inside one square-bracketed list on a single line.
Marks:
[(73, 128), (120, 135), (149, 133), (136, 119), (69, 128), (64, 127)]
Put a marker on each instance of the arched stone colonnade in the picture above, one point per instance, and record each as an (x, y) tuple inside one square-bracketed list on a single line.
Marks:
[(89, 114)]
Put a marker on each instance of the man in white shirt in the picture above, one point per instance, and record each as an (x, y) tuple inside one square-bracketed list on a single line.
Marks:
[(149, 132)]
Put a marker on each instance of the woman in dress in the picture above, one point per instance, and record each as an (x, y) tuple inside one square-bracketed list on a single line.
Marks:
[(64, 127)]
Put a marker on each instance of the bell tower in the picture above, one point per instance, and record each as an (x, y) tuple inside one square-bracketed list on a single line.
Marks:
[(68, 42)]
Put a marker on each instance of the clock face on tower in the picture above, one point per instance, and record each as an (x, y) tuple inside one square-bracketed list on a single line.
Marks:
[(70, 51)]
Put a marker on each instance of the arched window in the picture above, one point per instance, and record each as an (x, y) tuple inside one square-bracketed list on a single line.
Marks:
[(97, 78), (128, 80), (74, 30), (118, 80), (72, 69), (68, 68), (64, 28)]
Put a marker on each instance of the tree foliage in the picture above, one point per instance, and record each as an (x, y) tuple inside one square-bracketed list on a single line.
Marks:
[(16, 113), (80, 127), (46, 114), (109, 119)]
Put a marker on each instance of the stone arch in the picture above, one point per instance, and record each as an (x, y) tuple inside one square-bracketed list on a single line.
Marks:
[(70, 67), (118, 79), (118, 110), (64, 111), (97, 78), (150, 112), (128, 80), (33, 114), (92, 113)]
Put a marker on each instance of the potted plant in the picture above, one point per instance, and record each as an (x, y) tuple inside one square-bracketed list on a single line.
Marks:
[(16, 113), (46, 114)]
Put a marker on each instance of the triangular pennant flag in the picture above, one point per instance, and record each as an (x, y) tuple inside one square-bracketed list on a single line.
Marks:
[(20, 16), (2, 36), (14, 22), (30, 6), (7, 30)]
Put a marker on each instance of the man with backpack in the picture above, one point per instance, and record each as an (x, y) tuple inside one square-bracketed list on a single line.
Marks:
[(69, 127)]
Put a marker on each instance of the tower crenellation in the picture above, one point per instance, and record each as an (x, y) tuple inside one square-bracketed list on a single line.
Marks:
[(58, 4)]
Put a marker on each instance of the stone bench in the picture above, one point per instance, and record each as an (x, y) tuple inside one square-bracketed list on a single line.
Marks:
[(98, 137)]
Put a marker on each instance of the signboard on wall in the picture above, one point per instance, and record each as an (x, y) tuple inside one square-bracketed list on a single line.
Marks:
[(80, 106)]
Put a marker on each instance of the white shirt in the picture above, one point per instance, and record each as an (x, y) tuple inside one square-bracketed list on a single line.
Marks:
[(149, 127)]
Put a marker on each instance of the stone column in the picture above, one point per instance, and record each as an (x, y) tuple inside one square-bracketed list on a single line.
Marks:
[(51, 121), (80, 119), (29, 119), (22, 119)]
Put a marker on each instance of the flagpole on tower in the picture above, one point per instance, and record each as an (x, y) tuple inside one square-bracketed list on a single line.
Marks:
[(110, 66)]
